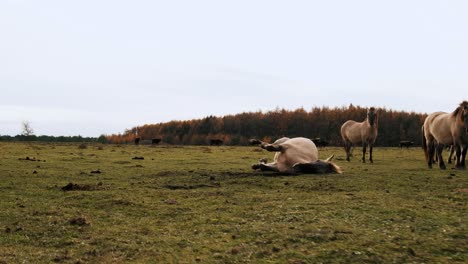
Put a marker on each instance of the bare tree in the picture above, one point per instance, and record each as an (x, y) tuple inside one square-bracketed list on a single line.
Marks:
[(27, 129)]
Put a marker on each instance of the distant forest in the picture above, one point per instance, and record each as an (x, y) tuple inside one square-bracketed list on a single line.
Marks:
[(101, 139), (319, 122)]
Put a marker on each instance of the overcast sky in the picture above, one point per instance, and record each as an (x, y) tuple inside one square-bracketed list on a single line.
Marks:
[(98, 67)]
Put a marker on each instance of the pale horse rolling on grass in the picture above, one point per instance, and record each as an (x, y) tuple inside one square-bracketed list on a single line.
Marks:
[(442, 129), (295, 155), (364, 133)]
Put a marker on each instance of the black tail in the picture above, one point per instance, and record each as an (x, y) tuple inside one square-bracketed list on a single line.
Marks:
[(424, 144)]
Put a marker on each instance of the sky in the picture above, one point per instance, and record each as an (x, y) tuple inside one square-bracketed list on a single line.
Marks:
[(102, 66)]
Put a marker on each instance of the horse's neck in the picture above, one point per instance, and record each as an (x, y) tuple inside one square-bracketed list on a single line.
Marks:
[(368, 125)]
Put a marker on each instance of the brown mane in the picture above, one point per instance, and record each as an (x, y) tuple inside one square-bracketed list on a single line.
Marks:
[(463, 106)]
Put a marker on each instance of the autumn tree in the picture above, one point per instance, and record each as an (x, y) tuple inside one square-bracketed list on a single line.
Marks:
[(323, 122)]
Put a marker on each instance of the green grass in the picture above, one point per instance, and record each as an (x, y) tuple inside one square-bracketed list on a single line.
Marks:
[(205, 205)]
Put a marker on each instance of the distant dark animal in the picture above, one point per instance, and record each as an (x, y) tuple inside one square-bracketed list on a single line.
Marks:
[(216, 142), (137, 141), (255, 142), (295, 155), (442, 129), (405, 143), (155, 141), (320, 142), (363, 133)]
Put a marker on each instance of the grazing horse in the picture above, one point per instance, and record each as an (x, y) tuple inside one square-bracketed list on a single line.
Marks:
[(216, 142), (320, 142), (155, 141), (137, 141), (443, 129), (363, 133), (294, 155), (406, 143)]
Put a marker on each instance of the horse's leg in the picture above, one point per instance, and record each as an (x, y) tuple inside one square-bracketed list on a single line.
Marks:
[(265, 167), (272, 147), (350, 150), (364, 146), (371, 146), (458, 152), (439, 149), (430, 153), (347, 147), (452, 149), (264, 145), (461, 156)]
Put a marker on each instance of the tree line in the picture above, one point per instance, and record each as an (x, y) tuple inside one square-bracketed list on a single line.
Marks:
[(43, 138), (319, 122)]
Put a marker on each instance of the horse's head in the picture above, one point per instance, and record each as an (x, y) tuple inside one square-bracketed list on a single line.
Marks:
[(371, 115), (464, 114)]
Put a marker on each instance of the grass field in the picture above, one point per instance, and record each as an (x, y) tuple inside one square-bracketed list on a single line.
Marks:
[(62, 203)]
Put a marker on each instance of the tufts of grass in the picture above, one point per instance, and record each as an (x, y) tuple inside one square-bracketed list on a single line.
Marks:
[(205, 205)]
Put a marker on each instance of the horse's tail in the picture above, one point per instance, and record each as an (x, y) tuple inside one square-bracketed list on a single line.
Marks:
[(424, 144)]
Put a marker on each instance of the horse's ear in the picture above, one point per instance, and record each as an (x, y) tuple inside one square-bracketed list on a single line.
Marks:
[(465, 105), (377, 112)]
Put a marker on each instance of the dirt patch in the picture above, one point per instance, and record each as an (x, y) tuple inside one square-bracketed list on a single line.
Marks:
[(164, 173), (79, 221), (122, 162), (82, 146), (171, 201), (81, 187), (190, 187), (31, 159)]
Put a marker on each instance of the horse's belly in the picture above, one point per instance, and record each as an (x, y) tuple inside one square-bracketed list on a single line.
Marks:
[(441, 131), (355, 138)]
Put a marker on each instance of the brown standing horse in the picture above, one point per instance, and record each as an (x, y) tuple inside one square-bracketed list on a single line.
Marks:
[(443, 129), (363, 133)]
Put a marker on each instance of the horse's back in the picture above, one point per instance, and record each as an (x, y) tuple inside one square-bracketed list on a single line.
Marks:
[(351, 131), (438, 126)]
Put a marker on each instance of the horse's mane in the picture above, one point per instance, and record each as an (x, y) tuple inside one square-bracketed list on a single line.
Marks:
[(463, 105)]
